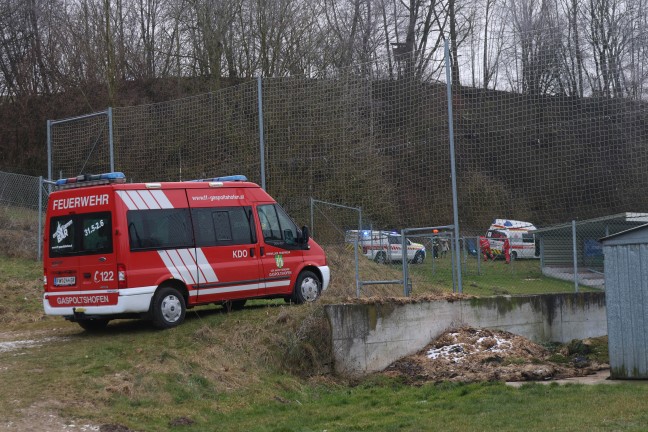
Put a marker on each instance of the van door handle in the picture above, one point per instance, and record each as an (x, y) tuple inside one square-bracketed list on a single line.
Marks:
[(252, 252), (261, 251), (102, 259)]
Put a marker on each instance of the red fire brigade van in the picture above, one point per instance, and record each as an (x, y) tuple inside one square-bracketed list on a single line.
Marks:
[(122, 250)]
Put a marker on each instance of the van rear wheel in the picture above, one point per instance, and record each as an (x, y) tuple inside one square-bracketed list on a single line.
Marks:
[(307, 288), (168, 308)]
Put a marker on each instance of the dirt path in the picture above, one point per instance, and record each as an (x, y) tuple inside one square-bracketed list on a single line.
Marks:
[(41, 416)]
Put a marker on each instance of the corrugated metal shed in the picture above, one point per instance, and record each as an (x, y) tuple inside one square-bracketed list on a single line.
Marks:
[(626, 282)]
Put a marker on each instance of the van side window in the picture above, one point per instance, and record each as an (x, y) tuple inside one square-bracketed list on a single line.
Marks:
[(159, 229), (223, 226), (277, 227)]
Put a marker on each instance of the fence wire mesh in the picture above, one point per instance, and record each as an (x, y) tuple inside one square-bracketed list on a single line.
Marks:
[(381, 143), (19, 213), (192, 138), (80, 145)]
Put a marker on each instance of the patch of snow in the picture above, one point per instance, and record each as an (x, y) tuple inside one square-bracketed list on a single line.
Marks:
[(458, 351), (16, 345)]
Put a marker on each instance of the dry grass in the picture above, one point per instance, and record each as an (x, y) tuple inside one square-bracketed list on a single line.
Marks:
[(20, 291), (18, 232), (342, 288)]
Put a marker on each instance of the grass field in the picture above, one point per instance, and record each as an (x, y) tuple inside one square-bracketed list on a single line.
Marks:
[(433, 276), (266, 368)]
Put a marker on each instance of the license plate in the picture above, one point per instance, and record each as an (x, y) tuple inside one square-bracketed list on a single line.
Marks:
[(65, 281)]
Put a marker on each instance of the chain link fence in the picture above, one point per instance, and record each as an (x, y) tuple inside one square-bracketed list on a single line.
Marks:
[(363, 139), (22, 202), (382, 145)]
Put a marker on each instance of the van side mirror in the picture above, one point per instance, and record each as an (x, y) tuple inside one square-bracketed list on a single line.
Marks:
[(305, 235)]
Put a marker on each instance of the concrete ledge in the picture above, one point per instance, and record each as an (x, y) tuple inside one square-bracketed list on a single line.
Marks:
[(369, 337)]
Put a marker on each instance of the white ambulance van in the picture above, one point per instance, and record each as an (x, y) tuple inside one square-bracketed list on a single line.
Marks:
[(520, 235), (151, 250), (386, 246)]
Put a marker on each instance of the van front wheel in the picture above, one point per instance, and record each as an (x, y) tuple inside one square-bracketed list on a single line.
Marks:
[(168, 308), (380, 258), (307, 288)]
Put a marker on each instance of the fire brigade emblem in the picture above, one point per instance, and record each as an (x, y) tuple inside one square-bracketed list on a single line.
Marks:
[(279, 260)]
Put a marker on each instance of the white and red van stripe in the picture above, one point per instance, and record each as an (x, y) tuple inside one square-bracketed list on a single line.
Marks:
[(145, 199), (188, 265)]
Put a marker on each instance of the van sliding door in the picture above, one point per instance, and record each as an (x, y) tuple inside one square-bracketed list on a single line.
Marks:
[(225, 236)]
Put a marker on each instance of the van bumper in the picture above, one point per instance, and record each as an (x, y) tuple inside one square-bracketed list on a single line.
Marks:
[(129, 300), (326, 276)]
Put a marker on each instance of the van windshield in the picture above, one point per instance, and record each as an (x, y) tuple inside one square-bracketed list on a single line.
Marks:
[(82, 234), (496, 234)]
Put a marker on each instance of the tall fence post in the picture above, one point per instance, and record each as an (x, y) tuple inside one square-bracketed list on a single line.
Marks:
[(49, 149), (575, 252), (357, 265), (110, 139), (357, 253), (312, 208), (406, 291), (40, 217), (455, 205), (261, 134)]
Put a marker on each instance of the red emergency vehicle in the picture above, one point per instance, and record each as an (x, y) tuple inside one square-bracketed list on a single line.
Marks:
[(151, 250)]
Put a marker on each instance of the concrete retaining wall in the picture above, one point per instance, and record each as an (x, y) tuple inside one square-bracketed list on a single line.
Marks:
[(369, 337)]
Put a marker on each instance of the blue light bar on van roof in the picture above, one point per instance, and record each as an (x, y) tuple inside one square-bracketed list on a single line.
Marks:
[(224, 179), (85, 180)]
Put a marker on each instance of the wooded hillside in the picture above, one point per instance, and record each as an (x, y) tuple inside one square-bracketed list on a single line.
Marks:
[(549, 122)]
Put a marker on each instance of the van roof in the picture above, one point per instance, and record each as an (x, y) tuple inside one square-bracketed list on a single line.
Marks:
[(511, 224), (118, 179)]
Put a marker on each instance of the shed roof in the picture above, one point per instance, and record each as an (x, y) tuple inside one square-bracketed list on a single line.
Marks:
[(630, 236), (617, 222)]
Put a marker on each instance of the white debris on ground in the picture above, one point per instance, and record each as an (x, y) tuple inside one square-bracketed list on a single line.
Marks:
[(19, 344), (475, 355), (457, 351)]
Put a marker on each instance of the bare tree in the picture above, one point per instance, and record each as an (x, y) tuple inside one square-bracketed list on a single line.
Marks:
[(572, 54), (25, 65), (491, 51), (609, 35), (148, 17), (538, 43)]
